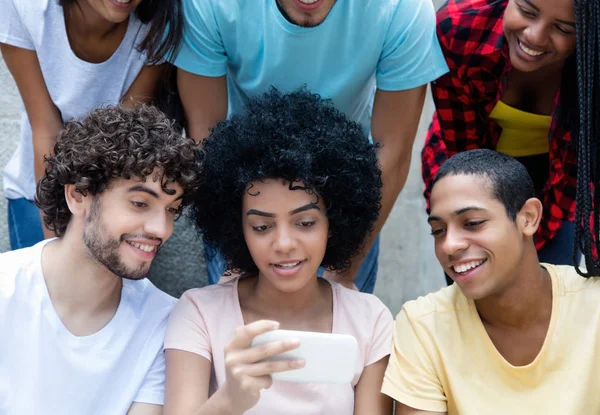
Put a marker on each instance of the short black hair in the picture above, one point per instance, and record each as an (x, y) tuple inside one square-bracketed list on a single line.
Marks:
[(110, 143), (298, 137), (509, 180)]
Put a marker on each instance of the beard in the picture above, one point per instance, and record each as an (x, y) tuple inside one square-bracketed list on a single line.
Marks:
[(306, 22), (104, 249)]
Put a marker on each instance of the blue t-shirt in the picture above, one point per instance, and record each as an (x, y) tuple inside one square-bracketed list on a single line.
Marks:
[(360, 46)]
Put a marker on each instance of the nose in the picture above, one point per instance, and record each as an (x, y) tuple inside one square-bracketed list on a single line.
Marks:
[(284, 240), (454, 242), (159, 225), (536, 34)]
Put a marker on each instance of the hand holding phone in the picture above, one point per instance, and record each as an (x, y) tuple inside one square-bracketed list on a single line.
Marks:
[(330, 358), (248, 368)]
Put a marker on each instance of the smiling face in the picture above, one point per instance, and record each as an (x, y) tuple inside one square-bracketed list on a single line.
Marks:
[(286, 232), (539, 33), (305, 13), (479, 246), (128, 223)]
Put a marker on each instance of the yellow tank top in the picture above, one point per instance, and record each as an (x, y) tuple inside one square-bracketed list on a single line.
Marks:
[(523, 133)]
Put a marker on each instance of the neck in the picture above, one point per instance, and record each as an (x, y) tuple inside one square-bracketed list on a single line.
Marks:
[(82, 20), (77, 283), (293, 303), (527, 300)]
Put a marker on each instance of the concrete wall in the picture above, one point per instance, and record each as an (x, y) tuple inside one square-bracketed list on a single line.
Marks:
[(407, 266)]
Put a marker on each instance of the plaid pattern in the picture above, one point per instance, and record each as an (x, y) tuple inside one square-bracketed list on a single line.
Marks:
[(472, 38)]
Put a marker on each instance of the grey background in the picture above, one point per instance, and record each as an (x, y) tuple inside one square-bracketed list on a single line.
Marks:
[(407, 265)]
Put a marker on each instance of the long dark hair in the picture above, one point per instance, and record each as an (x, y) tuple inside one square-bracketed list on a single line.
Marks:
[(165, 20), (587, 135)]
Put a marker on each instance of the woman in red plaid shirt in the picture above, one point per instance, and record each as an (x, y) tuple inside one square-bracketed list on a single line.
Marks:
[(513, 86)]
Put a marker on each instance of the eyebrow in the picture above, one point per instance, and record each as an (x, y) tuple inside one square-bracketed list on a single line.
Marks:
[(144, 189), (456, 213), (304, 208)]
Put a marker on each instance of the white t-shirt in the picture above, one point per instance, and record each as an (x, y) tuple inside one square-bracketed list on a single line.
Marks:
[(44, 369), (75, 86)]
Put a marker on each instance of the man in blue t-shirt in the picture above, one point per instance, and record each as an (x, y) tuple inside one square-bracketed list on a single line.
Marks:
[(372, 58)]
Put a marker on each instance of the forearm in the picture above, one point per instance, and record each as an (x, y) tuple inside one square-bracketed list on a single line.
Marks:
[(44, 139)]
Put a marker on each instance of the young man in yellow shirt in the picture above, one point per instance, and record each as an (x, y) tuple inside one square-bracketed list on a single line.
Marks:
[(511, 336)]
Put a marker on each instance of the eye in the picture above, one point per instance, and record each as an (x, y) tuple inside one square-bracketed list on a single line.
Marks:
[(260, 228), (138, 204), (474, 224), (172, 210), (563, 30), (437, 232), (306, 224), (525, 12)]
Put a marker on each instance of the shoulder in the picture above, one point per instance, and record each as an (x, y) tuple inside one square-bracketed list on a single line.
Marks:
[(571, 283), (144, 297), (18, 261), (465, 27), (209, 300), (446, 303), (368, 306)]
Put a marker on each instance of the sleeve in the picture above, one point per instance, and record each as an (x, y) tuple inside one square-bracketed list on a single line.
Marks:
[(202, 51), (187, 329), (152, 390), (12, 29), (559, 194), (411, 54), (381, 342), (456, 125), (410, 377)]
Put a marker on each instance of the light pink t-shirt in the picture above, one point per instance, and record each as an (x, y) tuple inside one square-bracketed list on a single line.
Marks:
[(205, 319)]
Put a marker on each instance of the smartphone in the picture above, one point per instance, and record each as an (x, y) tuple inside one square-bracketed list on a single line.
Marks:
[(330, 358)]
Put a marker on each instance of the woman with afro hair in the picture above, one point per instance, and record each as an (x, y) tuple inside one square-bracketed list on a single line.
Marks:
[(289, 186)]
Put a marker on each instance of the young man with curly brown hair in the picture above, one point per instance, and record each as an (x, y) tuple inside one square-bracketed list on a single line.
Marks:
[(82, 329)]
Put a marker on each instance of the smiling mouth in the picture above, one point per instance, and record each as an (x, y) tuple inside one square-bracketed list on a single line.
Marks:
[(288, 265), (468, 266), (143, 247), (530, 52)]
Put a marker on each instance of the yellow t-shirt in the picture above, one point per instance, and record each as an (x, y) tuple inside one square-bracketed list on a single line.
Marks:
[(444, 360), (523, 133)]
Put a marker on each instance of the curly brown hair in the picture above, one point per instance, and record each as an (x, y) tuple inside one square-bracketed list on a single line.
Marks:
[(110, 143)]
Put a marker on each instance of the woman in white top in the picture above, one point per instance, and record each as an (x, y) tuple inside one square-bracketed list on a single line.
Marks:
[(290, 185), (67, 58)]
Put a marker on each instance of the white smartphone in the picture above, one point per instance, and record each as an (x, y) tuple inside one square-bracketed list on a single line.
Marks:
[(330, 358)]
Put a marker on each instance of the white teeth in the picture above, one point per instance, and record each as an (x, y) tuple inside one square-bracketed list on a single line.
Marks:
[(467, 266), (124, 1), (145, 248), (287, 265), (308, 1), (530, 52)]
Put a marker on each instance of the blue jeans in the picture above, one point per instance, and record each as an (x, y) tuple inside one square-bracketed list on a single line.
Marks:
[(559, 250), (24, 223), (365, 278)]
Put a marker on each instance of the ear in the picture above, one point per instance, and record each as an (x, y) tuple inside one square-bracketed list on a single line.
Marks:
[(529, 216), (78, 202)]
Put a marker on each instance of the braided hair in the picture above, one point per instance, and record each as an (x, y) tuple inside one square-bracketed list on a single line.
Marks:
[(587, 134)]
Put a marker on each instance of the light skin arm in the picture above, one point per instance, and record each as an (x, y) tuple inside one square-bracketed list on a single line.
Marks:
[(402, 409), (394, 125), (204, 102), (138, 408), (44, 116), (368, 399), (188, 374)]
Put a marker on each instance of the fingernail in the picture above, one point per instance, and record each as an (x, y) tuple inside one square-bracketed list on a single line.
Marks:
[(275, 325), (300, 363), (293, 342)]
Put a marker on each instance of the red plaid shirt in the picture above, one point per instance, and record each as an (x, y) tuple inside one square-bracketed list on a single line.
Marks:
[(472, 38)]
